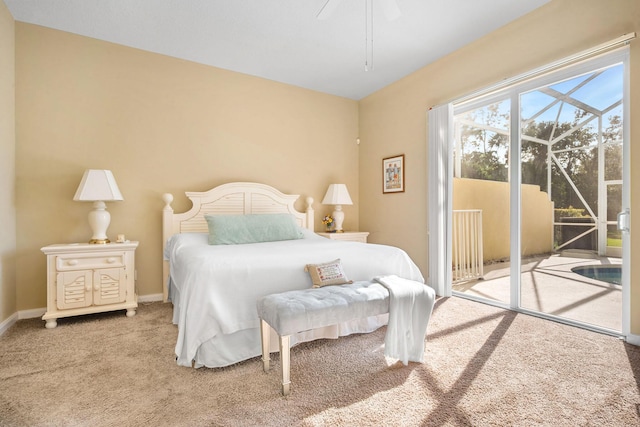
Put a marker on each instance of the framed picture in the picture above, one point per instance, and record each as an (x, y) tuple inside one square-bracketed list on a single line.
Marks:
[(393, 174)]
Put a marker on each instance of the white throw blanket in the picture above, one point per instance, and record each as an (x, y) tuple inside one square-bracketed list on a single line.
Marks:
[(410, 307)]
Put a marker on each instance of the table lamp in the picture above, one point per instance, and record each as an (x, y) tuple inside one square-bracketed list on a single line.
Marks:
[(337, 195), (98, 186)]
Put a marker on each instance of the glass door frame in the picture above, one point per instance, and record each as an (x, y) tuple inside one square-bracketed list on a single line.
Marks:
[(513, 93)]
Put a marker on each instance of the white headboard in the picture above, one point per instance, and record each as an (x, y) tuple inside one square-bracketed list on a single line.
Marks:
[(234, 198)]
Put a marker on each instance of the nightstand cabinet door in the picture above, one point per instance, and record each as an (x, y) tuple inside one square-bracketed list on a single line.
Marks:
[(74, 289), (106, 286)]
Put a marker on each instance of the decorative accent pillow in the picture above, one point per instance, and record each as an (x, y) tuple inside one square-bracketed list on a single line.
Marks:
[(329, 273), (240, 229)]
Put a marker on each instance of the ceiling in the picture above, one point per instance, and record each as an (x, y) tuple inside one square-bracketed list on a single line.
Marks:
[(283, 40)]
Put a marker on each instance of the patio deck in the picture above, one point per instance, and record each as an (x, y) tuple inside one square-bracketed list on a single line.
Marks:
[(549, 286)]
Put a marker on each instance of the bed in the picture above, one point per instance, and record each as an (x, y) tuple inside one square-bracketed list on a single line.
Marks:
[(214, 287)]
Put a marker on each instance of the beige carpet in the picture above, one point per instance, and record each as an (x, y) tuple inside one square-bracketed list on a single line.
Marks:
[(484, 367)]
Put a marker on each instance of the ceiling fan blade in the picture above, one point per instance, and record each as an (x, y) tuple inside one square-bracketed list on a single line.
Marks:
[(390, 9), (327, 10)]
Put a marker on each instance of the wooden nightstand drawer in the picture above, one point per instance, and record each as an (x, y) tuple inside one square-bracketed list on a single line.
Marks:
[(72, 262)]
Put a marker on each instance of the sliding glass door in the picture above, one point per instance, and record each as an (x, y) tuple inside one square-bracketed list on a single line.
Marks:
[(571, 149), (539, 194), (480, 240)]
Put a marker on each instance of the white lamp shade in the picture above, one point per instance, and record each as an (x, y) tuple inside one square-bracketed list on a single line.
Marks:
[(98, 185), (337, 194)]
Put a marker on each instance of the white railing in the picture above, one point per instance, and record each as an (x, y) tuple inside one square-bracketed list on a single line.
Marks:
[(466, 237)]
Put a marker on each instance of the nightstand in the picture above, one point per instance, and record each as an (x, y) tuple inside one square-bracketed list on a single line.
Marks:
[(87, 278), (351, 236)]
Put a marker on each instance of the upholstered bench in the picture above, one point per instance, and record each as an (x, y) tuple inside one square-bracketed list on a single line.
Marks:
[(297, 311)]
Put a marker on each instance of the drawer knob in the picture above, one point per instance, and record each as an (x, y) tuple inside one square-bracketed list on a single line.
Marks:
[(72, 262), (111, 260)]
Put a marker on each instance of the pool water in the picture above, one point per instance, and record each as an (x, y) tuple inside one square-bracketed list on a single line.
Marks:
[(609, 274)]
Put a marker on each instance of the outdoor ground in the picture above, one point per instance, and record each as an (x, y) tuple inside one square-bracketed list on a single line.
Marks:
[(549, 286)]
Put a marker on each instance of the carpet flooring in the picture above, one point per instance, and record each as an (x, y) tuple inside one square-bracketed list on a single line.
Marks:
[(484, 366)]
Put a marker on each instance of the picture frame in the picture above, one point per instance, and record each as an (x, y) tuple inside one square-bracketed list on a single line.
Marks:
[(393, 174)]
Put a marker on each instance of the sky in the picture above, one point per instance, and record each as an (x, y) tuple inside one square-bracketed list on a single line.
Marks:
[(602, 92)]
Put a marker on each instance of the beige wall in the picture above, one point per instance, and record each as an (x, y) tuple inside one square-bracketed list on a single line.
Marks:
[(393, 120), (161, 125), (7, 166), (492, 198)]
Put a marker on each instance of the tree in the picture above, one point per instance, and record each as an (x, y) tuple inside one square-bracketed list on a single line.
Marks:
[(485, 151)]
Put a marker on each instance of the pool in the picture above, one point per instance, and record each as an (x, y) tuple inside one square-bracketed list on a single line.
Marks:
[(608, 273)]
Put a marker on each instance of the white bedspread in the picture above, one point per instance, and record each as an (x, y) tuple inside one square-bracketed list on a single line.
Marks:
[(218, 285), (410, 307)]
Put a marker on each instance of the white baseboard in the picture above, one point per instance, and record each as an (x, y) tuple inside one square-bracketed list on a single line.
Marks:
[(30, 314), (8, 322), (38, 312), (633, 339)]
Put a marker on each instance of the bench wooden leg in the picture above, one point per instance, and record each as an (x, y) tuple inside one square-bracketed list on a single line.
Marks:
[(265, 332), (285, 359)]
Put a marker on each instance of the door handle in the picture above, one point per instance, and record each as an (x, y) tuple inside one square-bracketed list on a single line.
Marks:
[(623, 221)]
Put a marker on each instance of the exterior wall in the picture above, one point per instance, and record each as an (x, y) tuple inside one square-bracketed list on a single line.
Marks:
[(7, 166), (492, 198), (160, 125), (393, 120)]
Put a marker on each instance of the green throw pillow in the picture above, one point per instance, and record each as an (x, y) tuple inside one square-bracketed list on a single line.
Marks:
[(240, 229)]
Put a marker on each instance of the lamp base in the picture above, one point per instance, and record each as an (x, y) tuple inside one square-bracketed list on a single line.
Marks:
[(338, 217), (99, 219), (99, 241)]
